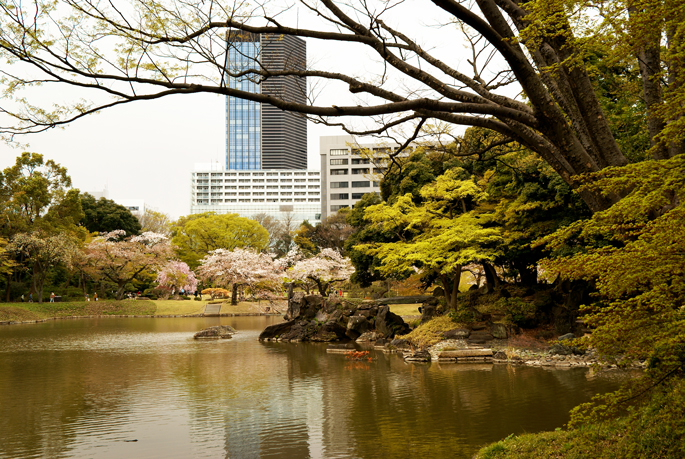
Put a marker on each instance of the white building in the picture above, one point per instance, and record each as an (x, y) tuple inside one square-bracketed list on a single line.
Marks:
[(349, 170), (283, 194), (136, 206)]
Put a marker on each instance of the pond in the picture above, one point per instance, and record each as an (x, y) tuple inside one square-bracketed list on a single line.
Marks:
[(143, 388)]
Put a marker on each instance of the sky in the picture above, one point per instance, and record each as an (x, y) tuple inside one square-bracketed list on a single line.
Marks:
[(147, 150)]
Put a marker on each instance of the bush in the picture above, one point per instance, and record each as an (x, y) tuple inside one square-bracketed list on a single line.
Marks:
[(518, 312), (431, 332), (198, 298)]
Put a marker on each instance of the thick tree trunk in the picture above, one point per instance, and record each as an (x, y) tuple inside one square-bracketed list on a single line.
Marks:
[(529, 275), (7, 288), (120, 290), (234, 294), (491, 279)]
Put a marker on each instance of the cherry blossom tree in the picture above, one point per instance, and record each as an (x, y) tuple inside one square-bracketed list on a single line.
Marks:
[(240, 267), (39, 252), (119, 259), (323, 269), (176, 276)]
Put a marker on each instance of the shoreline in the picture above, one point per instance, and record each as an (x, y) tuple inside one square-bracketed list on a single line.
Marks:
[(137, 316)]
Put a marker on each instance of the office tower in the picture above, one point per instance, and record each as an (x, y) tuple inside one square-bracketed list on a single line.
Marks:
[(350, 170), (261, 136)]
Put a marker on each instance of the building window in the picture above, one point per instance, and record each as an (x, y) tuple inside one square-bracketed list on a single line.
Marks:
[(339, 152), (300, 180), (300, 186), (361, 184), (376, 184), (338, 196), (360, 161), (339, 171), (357, 195), (340, 184), (313, 200), (339, 162), (360, 171), (335, 208)]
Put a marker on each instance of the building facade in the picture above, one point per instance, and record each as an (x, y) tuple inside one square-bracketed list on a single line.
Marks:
[(349, 170), (261, 136), (283, 194)]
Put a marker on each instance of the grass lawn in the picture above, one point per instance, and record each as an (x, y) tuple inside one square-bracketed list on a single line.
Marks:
[(405, 309), (36, 311)]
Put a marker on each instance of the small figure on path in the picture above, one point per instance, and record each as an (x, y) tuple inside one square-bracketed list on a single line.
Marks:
[(22, 297), (95, 296), (52, 297), (87, 297), (30, 297)]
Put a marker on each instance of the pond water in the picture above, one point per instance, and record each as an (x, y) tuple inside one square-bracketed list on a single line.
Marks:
[(143, 388)]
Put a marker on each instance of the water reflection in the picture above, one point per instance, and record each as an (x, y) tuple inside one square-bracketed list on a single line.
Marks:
[(90, 388)]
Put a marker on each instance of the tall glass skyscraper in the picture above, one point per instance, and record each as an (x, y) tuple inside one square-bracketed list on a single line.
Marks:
[(261, 136)]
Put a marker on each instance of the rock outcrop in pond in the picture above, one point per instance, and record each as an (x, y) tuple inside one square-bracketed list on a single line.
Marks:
[(216, 332), (314, 318)]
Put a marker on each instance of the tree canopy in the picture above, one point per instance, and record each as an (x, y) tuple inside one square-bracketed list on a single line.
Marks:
[(104, 215), (198, 234), (537, 49)]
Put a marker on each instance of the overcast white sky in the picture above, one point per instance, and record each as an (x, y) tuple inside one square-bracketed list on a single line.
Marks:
[(144, 151), (147, 150)]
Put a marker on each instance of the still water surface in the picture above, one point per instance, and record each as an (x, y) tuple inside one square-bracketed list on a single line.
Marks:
[(143, 388)]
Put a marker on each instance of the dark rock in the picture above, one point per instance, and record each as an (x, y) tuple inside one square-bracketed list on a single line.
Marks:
[(500, 355), (428, 311), (368, 337), (381, 342), (417, 356), (567, 336), (499, 331), (389, 324), (359, 324), (473, 287), (438, 292), (480, 337), (400, 343), (216, 332), (560, 349), (504, 293), (457, 333), (329, 332)]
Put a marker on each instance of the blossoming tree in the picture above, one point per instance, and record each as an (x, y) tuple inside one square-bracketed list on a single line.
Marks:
[(176, 276), (241, 267), (114, 257), (323, 269)]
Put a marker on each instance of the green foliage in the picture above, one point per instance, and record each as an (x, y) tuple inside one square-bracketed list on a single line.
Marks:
[(518, 312), (104, 215), (34, 193), (328, 234), (634, 252), (438, 236), (198, 234)]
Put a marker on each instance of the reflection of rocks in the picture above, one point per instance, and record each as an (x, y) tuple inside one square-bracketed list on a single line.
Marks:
[(216, 332), (313, 318)]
